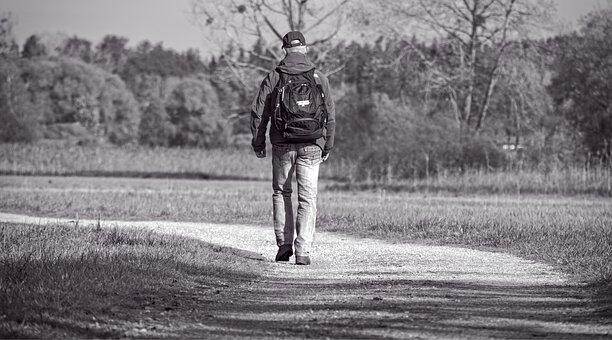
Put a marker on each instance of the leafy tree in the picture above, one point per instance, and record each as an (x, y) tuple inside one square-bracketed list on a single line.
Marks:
[(192, 61), (81, 100), (146, 87), (155, 126), (111, 54), (581, 86), (119, 111), (193, 107), (33, 47), (8, 46), (359, 67), (155, 59), (19, 117), (79, 48), (357, 120)]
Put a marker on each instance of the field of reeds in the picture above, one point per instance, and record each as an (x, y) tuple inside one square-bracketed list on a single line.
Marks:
[(57, 159), (568, 181), (571, 233), (66, 282)]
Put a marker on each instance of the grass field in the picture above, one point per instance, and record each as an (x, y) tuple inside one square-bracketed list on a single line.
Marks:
[(572, 233), (239, 163), (61, 281)]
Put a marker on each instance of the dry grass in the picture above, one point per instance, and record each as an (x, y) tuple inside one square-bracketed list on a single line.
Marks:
[(62, 281), (568, 182), (132, 161), (572, 233), (66, 160)]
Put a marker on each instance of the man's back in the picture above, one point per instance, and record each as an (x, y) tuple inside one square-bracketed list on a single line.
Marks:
[(293, 63), (290, 155)]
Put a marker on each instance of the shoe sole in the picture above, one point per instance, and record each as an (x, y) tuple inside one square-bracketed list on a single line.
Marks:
[(305, 262)]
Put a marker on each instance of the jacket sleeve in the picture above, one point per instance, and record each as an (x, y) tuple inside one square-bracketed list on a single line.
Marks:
[(331, 115), (260, 114)]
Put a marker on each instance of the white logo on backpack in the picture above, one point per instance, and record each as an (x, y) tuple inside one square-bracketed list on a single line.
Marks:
[(303, 102)]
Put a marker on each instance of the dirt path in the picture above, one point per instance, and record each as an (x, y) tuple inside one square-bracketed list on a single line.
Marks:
[(371, 288)]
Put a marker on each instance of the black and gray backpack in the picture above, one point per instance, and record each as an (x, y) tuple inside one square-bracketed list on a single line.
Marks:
[(299, 110)]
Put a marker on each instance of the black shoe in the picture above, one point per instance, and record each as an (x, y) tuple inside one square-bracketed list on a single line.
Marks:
[(302, 260), (284, 253)]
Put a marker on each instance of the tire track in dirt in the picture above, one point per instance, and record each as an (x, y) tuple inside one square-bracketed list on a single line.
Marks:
[(361, 287)]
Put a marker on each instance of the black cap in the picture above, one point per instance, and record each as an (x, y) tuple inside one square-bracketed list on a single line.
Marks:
[(293, 39)]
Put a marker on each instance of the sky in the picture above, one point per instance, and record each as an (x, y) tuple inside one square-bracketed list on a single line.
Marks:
[(157, 20)]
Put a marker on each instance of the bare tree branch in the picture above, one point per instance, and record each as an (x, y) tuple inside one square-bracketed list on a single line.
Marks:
[(272, 9), (249, 65), (278, 35), (329, 37), (335, 70), (492, 77), (472, 24), (326, 16)]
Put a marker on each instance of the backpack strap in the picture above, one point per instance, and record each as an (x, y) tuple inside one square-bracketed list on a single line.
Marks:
[(317, 79), (319, 84), (277, 99), (280, 79)]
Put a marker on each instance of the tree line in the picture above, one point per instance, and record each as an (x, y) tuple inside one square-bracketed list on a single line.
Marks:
[(406, 106), (110, 93)]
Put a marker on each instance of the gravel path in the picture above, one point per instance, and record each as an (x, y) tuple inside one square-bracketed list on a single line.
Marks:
[(360, 287)]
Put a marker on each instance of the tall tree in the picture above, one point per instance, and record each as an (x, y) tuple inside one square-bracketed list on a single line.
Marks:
[(474, 38), (193, 108), (581, 86), (33, 47), (112, 54), (76, 47), (18, 116), (8, 46), (155, 127), (523, 103)]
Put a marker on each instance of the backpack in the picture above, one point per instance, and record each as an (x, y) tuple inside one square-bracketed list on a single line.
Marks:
[(299, 111)]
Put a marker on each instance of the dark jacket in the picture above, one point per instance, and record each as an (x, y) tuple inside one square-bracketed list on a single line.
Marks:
[(261, 110)]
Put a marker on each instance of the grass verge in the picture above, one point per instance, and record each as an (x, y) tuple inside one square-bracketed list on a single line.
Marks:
[(65, 281), (571, 233)]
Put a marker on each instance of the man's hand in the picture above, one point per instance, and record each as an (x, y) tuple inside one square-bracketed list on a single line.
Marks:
[(324, 156), (261, 154)]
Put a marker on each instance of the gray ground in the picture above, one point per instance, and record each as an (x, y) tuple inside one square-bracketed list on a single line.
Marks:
[(360, 287)]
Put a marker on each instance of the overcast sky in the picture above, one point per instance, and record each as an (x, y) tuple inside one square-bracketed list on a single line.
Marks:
[(155, 20)]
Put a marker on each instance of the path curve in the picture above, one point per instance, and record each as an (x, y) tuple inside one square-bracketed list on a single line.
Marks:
[(467, 293)]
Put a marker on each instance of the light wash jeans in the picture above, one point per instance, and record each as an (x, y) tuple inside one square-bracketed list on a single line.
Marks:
[(304, 160)]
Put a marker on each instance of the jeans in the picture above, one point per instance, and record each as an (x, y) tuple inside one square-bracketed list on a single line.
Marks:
[(304, 160)]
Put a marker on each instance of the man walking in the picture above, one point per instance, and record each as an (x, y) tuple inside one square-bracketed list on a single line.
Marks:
[(295, 100)]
